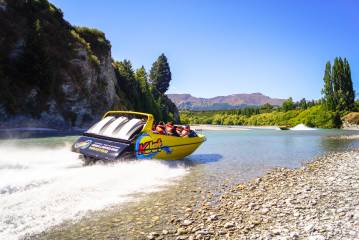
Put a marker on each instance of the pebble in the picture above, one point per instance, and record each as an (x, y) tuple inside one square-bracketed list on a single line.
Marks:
[(317, 201), (316, 237), (229, 225), (187, 222), (182, 231), (264, 210), (212, 217)]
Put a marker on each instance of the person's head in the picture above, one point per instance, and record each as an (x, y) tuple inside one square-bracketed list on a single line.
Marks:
[(161, 123), (170, 124), (186, 127), (179, 128), (160, 129)]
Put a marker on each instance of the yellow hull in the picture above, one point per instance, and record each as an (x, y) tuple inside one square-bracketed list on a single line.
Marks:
[(158, 146), (144, 145)]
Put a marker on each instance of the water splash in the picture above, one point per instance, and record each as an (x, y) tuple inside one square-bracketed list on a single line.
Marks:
[(302, 127), (42, 187)]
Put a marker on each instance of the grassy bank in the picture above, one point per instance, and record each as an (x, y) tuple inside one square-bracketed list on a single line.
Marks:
[(315, 116)]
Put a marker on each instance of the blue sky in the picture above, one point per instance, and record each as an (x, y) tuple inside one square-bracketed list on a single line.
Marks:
[(217, 48)]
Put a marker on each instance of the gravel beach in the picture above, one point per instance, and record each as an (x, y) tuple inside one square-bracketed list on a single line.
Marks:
[(317, 201)]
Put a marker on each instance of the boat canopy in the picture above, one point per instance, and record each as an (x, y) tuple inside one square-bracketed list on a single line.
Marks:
[(117, 127)]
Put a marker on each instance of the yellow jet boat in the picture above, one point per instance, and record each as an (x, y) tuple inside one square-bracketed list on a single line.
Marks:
[(129, 135)]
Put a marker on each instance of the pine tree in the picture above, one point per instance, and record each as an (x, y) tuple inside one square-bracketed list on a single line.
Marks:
[(160, 74)]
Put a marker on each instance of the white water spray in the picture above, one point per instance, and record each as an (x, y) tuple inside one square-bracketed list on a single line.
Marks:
[(42, 187)]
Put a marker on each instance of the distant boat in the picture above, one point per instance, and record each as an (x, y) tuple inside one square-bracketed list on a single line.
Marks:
[(284, 127)]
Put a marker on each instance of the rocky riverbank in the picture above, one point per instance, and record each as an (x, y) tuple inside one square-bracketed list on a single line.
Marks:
[(317, 201)]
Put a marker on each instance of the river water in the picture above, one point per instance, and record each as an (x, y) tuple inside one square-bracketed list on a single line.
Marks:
[(46, 193)]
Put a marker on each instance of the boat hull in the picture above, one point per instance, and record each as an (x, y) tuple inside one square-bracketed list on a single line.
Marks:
[(151, 145), (129, 135)]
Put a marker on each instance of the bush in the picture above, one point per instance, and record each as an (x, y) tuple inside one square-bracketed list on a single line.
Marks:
[(317, 116)]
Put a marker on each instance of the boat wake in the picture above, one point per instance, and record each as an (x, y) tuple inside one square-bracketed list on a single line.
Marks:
[(302, 127), (42, 187)]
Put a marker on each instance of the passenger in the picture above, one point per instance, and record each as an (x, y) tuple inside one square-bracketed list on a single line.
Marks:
[(185, 132), (160, 128), (170, 129), (179, 130)]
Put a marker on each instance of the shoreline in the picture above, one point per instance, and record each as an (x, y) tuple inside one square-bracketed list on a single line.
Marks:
[(209, 127), (319, 200)]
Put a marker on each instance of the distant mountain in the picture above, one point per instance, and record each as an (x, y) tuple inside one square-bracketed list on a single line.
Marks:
[(188, 102)]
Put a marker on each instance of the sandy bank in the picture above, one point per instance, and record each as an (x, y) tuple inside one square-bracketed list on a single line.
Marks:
[(209, 127), (317, 201)]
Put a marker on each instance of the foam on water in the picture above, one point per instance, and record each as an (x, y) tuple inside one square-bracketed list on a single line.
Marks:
[(302, 127), (42, 187)]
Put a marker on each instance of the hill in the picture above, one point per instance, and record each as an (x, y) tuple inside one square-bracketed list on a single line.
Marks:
[(53, 74), (188, 102)]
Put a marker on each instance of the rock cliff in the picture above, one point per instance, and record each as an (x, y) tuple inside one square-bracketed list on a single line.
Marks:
[(53, 74)]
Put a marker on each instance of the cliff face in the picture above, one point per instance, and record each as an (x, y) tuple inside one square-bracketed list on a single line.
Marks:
[(51, 73)]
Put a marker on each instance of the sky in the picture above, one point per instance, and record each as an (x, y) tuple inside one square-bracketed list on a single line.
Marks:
[(216, 48)]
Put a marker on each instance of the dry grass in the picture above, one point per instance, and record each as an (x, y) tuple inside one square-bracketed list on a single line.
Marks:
[(352, 118)]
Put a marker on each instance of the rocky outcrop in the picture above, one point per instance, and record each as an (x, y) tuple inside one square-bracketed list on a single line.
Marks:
[(351, 121), (53, 74)]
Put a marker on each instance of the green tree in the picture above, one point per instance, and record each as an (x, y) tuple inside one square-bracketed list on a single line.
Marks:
[(128, 83), (348, 91), (342, 85), (288, 105), (328, 91), (266, 107), (303, 104), (160, 74), (146, 99)]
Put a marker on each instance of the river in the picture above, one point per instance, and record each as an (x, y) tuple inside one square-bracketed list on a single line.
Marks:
[(45, 192)]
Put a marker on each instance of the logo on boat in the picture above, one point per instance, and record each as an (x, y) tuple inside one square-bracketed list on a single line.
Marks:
[(83, 144), (150, 148)]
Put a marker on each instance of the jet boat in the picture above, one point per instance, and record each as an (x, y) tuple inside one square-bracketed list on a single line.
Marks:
[(129, 135)]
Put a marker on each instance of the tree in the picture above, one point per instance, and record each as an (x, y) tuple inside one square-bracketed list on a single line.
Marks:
[(303, 104), (327, 91), (288, 104), (266, 107), (343, 92), (127, 82), (146, 99), (160, 74), (349, 91)]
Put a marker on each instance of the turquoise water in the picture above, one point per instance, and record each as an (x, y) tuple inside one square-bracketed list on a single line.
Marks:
[(43, 184), (242, 154)]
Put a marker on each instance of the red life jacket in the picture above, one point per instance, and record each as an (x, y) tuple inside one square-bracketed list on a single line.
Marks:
[(160, 129)]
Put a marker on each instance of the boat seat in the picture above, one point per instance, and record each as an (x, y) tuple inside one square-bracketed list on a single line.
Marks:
[(129, 129), (96, 129), (114, 126)]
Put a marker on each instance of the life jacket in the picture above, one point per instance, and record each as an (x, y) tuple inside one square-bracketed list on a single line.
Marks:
[(160, 129), (169, 129)]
